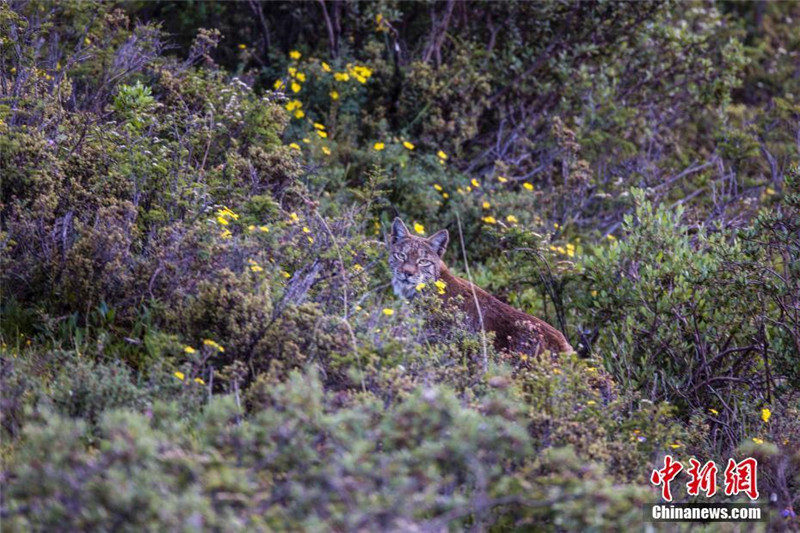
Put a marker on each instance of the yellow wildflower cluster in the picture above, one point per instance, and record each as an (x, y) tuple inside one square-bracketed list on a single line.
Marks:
[(419, 228), (255, 267), (388, 312), (359, 73), (296, 106), (225, 215), (440, 286), (214, 345), (568, 249)]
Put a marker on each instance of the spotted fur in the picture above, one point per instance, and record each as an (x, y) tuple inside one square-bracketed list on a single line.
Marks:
[(414, 260)]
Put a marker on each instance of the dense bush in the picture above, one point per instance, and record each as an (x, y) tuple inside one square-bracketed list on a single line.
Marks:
[(196, 322)]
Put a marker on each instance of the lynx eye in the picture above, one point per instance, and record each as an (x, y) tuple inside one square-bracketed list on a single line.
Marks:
[(400, 256), (424, 262)]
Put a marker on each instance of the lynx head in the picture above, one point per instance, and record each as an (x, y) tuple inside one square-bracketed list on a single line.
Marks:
[(413, 259)]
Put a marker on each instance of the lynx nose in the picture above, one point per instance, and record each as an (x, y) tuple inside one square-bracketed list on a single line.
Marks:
[(408, 270)]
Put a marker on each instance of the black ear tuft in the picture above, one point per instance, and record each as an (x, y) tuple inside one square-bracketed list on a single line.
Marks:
[(439, 241), (399, 230)]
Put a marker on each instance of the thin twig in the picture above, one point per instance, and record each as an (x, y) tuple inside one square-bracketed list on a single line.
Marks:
[(474, 296), (344, 296)]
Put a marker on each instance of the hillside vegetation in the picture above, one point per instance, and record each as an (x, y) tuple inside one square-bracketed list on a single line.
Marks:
[(197, 327)]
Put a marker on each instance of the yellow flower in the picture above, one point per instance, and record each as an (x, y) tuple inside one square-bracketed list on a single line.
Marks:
[(528, 186), (591, 402), (437, 187), (388, 312), (357, 267), (486, 205), (306, 230), (200, 381), (611, 237), (263, 228), (301, 77), (286, 274), (445, 195), (334, 95), (420, 286), (296, 87), (294, 104), (341, 76), (299, 113), (714, 411), (512, 219), (594, 293), (87, 41), (294, 54), (222, 220), (189, 350), (675, 446), (408, 145), (226, 234), (292, 71), (213, 344), (179, 375), (770, 191), (278, 85), (293, 217), (256, 268), (765, 414), (251, 227), (379, 146), (306, 140), (419, 228), (326, 150), (475, 183), (319, 126), (440, 286), (294, 146), (591, 369), (322, 134), (441, 155), (242, 46), (490, 220), (326, 67), (758, 441), (501, 179)]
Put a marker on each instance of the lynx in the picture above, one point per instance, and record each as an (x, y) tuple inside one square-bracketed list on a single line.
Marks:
[(416, 260)]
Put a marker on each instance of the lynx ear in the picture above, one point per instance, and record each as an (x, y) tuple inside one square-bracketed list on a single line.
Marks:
[(439, 241), (399, 230)]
